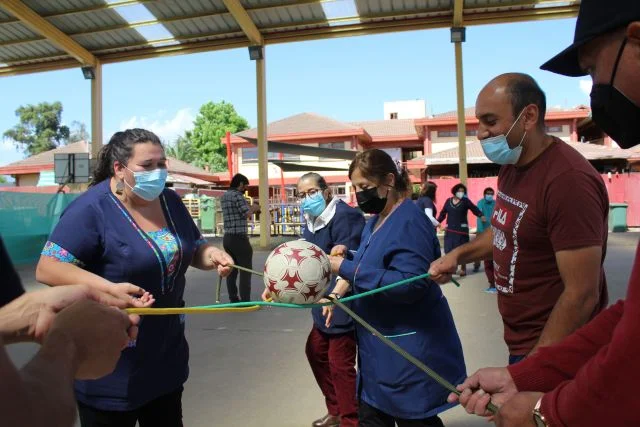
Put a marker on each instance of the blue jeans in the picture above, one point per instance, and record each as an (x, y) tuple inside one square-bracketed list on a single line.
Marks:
[(515, 359)]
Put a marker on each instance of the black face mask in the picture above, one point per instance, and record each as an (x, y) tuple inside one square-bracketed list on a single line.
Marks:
[(370, 202), (617, 115)]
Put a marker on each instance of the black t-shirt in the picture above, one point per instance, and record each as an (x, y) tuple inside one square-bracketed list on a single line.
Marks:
[(10, 285)]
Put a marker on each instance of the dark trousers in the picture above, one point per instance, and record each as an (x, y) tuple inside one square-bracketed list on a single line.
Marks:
[(373, 417), (333, 362), (240, 249), (488, 270), (514, 358), (164, 411)]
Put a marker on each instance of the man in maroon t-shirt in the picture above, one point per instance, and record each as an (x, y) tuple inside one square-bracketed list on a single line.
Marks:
[(589, 378), (549, 227)]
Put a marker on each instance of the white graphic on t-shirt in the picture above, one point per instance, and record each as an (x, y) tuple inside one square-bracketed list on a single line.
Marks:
[(499, 239), (503, 216)]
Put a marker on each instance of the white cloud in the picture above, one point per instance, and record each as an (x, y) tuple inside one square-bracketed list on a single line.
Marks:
[(8, 152), (7, 145), (585, 86), (167, 128)]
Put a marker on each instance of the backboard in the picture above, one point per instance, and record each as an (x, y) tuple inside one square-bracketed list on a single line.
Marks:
[(70, 168)]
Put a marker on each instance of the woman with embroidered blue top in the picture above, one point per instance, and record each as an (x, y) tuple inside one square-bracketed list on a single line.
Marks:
[(398, 242), (331, 350), (127, 228)]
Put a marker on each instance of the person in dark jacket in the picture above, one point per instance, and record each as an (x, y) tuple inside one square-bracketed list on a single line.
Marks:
[(331, 350), (455, 210), (398, 242)]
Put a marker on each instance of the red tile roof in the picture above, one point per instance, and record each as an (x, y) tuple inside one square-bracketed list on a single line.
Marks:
[(44, 161), (303, 123), (46, 158), (475, 155), (471, 112), (388, 128)]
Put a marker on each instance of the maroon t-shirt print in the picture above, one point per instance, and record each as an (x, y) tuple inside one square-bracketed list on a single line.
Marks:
[(506, 219)]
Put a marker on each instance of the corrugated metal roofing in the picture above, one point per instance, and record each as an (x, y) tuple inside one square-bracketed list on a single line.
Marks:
[(200, 25)]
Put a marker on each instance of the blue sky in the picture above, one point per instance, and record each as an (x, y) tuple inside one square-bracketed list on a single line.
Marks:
[(346, 79)]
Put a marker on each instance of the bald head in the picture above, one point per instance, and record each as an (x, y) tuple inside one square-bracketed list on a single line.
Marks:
[(519, 90)]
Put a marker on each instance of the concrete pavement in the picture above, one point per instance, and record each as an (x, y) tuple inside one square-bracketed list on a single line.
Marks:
[(250, 369)]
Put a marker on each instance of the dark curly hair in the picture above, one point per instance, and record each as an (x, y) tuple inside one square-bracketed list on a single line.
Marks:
[(120, 148)]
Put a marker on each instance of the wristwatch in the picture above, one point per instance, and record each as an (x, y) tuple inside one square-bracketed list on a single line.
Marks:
[(538, 418), (334, 296)]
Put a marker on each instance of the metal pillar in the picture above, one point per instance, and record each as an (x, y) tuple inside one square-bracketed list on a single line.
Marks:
[(96, 112), (263, 166), (462, 128), (458, 36)]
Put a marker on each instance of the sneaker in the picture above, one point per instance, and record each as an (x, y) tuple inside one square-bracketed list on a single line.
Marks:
[(491, 290)]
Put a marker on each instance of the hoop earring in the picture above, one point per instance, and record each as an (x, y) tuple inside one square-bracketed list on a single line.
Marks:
[(119, 188)]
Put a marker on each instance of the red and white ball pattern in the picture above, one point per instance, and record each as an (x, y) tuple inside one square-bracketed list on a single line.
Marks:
[(297, 272)]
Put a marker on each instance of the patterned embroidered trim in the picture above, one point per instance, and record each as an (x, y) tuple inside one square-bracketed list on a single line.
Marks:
[(52, 250), (168, 245), (144, 237), (173, 226)]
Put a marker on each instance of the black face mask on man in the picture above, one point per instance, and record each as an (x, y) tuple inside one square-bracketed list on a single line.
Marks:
[(617, 115), (370, 202)]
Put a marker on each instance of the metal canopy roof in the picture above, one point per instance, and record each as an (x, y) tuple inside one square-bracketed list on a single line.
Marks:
[(40, 35)]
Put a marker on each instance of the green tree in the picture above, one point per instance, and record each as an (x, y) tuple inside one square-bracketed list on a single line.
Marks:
[(40, 128), (3, 179), (182, 149), (214, 120), (78, 132)]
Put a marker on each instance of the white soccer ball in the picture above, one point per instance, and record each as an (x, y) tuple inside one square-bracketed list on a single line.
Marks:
[(297, 272)]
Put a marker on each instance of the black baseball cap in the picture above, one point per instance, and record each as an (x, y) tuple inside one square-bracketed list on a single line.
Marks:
[(596, 17)]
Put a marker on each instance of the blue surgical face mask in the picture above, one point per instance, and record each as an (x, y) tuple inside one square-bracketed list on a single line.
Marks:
[(314, 205), (488, 197), (149, 184), (497, 148)]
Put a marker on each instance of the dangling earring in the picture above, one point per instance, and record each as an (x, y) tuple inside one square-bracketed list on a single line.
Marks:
[(119, 188)]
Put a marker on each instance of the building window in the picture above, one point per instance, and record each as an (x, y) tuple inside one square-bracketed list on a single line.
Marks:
[(409, 155), (447, 134), (454, 133), (553, 129), (334, 145), (393, 116), (250, 155)]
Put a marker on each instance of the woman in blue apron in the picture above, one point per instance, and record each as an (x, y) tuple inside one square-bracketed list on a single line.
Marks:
[(331, 350), (455, 210), (398, 242), (426, 201), (127, 228)]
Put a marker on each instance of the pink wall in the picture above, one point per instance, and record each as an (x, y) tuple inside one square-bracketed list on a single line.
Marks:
[(623, 188)]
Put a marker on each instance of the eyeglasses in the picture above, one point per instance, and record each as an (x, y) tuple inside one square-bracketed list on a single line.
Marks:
[(310, 193)]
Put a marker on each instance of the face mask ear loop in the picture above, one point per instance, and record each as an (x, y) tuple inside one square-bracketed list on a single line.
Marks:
[(514, 123), (522, 139), (615, 65)]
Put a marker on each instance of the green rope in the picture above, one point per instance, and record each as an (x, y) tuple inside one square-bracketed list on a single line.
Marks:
[(305, 306), (416, 362)]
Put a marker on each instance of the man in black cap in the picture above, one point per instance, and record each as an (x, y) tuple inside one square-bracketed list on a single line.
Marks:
[(588, 379)]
